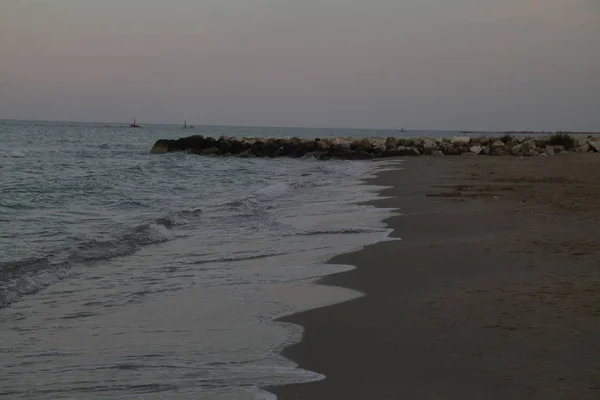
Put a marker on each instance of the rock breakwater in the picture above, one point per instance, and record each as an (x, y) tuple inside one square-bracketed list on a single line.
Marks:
[(366, 148)]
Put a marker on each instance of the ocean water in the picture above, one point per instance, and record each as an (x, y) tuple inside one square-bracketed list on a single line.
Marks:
[(130, 275)]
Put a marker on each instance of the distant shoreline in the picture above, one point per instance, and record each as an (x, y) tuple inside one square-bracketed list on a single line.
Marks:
[(196, 125)]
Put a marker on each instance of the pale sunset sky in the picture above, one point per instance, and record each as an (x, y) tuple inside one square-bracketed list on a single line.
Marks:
[(421, 64)]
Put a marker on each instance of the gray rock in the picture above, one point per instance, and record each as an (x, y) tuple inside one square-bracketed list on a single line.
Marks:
[(209, 151), (429, 146), (584, 148), (391, 143), (498, 144), (437, 153), (378, 143), (245, 154), (448, 149), (558, 148), (516, 150), (580, 140), (530, 153), (413, 151), (380, 148), (476, 149), (528, 146), (340, 145), (322, 145), (549, 151), (482, 140), (461, 139), (161, 146), (594, 144)]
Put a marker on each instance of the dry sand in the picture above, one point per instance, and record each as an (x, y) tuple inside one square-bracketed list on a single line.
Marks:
[(492, 293)]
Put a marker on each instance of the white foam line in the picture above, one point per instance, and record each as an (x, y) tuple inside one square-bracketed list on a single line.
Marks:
[(296, 332)]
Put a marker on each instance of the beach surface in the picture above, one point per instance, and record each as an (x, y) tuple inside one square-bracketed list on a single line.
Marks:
[(493, 291)]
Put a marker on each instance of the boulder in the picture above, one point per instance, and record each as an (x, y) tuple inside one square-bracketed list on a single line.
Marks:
[(161, 146), (594, 144), (208, 151), (498, 144), (549, 150), (429, 146), (412, 151), (437, 153), (528, 146), (448, 149), (391, 143), (461, 140), (476, 149), (585, 148), (245, 154), (498, 151), (378, 142), (321, 144), (340, 144), (459, 150), (516, 150), (482, 140), (362, 145), (581, 140), (405, 142), (401, 151)]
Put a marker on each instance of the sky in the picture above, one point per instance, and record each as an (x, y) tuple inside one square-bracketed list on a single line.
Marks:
[(417, 64)]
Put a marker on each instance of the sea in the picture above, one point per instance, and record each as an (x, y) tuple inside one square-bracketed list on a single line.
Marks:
[(130, 275)]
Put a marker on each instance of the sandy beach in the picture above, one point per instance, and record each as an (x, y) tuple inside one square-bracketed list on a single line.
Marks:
[(493, 291)]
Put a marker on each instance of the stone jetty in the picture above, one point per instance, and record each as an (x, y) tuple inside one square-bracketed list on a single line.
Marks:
[(367, 148)]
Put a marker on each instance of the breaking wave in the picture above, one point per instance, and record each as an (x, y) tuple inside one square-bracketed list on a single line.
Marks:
[(29, 282), (26, 276)]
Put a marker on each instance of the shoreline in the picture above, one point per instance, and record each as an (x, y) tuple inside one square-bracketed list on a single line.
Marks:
[(462, 307)]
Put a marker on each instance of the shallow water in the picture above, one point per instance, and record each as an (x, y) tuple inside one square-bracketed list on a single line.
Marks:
[(129, 275)]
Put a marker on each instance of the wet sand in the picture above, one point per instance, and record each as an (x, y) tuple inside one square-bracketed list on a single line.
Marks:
[(493, 292)]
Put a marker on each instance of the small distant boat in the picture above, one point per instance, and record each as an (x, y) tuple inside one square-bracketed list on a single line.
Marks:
[(134, 125)]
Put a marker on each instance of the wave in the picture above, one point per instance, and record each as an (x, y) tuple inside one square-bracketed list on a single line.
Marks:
[(27, 276), (260, 198), (273, 191), (13, 289), (11, 269), (252, 256), (339, 231), (13, 154)]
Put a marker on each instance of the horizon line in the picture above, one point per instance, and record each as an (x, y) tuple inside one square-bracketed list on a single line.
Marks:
[(302, 127)]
